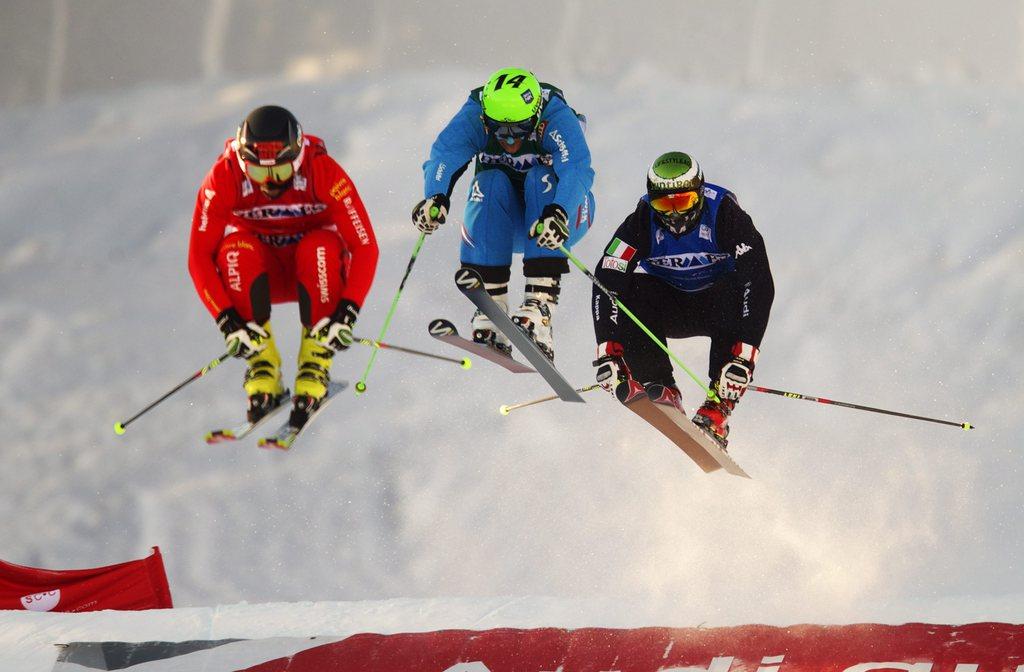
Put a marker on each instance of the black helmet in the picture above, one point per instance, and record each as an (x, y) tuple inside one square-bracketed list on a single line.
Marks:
[(675, 190), (269, 144)]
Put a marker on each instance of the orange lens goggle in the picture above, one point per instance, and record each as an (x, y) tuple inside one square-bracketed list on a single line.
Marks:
[(281, 172), (680, 202)]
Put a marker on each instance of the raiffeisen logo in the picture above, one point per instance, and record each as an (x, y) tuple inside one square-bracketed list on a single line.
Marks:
[(41, 601)]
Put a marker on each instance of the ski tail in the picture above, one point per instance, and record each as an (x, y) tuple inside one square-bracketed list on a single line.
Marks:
[(286, 435), (445, 331)]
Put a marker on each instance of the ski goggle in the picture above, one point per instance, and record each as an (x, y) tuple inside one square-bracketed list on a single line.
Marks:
[(679, 202), (278, 173), (509, 132)]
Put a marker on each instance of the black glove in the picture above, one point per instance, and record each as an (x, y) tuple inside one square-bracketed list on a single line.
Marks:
[(335, 332), (551, 230), (244, 339), (431, 213)]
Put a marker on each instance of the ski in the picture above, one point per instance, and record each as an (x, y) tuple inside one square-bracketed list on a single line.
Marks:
[(285, 436), (692, 440), (472, 285), (228, 434), (443, 330)]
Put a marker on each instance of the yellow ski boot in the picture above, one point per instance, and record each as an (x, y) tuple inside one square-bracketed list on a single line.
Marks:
[(263, 380), (312, 378)]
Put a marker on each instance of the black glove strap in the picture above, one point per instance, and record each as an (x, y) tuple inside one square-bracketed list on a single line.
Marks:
[(229, 321)]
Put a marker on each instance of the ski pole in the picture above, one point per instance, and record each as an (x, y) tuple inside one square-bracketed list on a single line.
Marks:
[(505, 410), (611, 295), (821, 400), (122, 427), (361, 385), (465, 362)]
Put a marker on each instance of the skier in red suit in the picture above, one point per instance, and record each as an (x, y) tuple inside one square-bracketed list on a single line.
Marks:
[(277, 220)]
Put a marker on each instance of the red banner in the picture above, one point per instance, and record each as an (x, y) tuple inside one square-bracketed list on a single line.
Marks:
[(979, 647), (129, 586)]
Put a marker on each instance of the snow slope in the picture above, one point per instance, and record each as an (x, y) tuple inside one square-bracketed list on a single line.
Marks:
[(27, 639), (891, 216)]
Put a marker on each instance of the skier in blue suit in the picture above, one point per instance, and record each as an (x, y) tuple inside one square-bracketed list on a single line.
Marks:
[(532, 180)]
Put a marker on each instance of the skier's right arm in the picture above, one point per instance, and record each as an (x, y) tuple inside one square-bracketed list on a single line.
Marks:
[(210, 217), (450, 155), (624, 250)]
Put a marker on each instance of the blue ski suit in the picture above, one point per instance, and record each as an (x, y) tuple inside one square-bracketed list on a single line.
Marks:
[(511, 186)]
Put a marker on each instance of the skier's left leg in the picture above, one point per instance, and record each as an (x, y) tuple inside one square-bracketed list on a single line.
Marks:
[(543, 268), (321, 264), (727, 348)]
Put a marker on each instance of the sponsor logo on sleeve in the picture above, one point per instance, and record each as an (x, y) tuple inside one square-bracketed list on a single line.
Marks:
[(615, 264), (357, 222), (440, 171), (341, 189), (204, 218), (563, 149), (742, 249)]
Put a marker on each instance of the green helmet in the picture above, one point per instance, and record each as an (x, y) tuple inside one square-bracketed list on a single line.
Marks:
[(511, 95), (675, 191)]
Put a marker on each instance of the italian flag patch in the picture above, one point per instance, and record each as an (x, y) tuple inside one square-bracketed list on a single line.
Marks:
[(620, 250)]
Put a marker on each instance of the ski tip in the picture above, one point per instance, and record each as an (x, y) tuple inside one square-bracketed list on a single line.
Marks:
[(467, 363), (360, 387), (967, 425), (504, 410), (119, 428)]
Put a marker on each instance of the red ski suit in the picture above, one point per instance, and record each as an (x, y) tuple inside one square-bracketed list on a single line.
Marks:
[(313, 243)]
